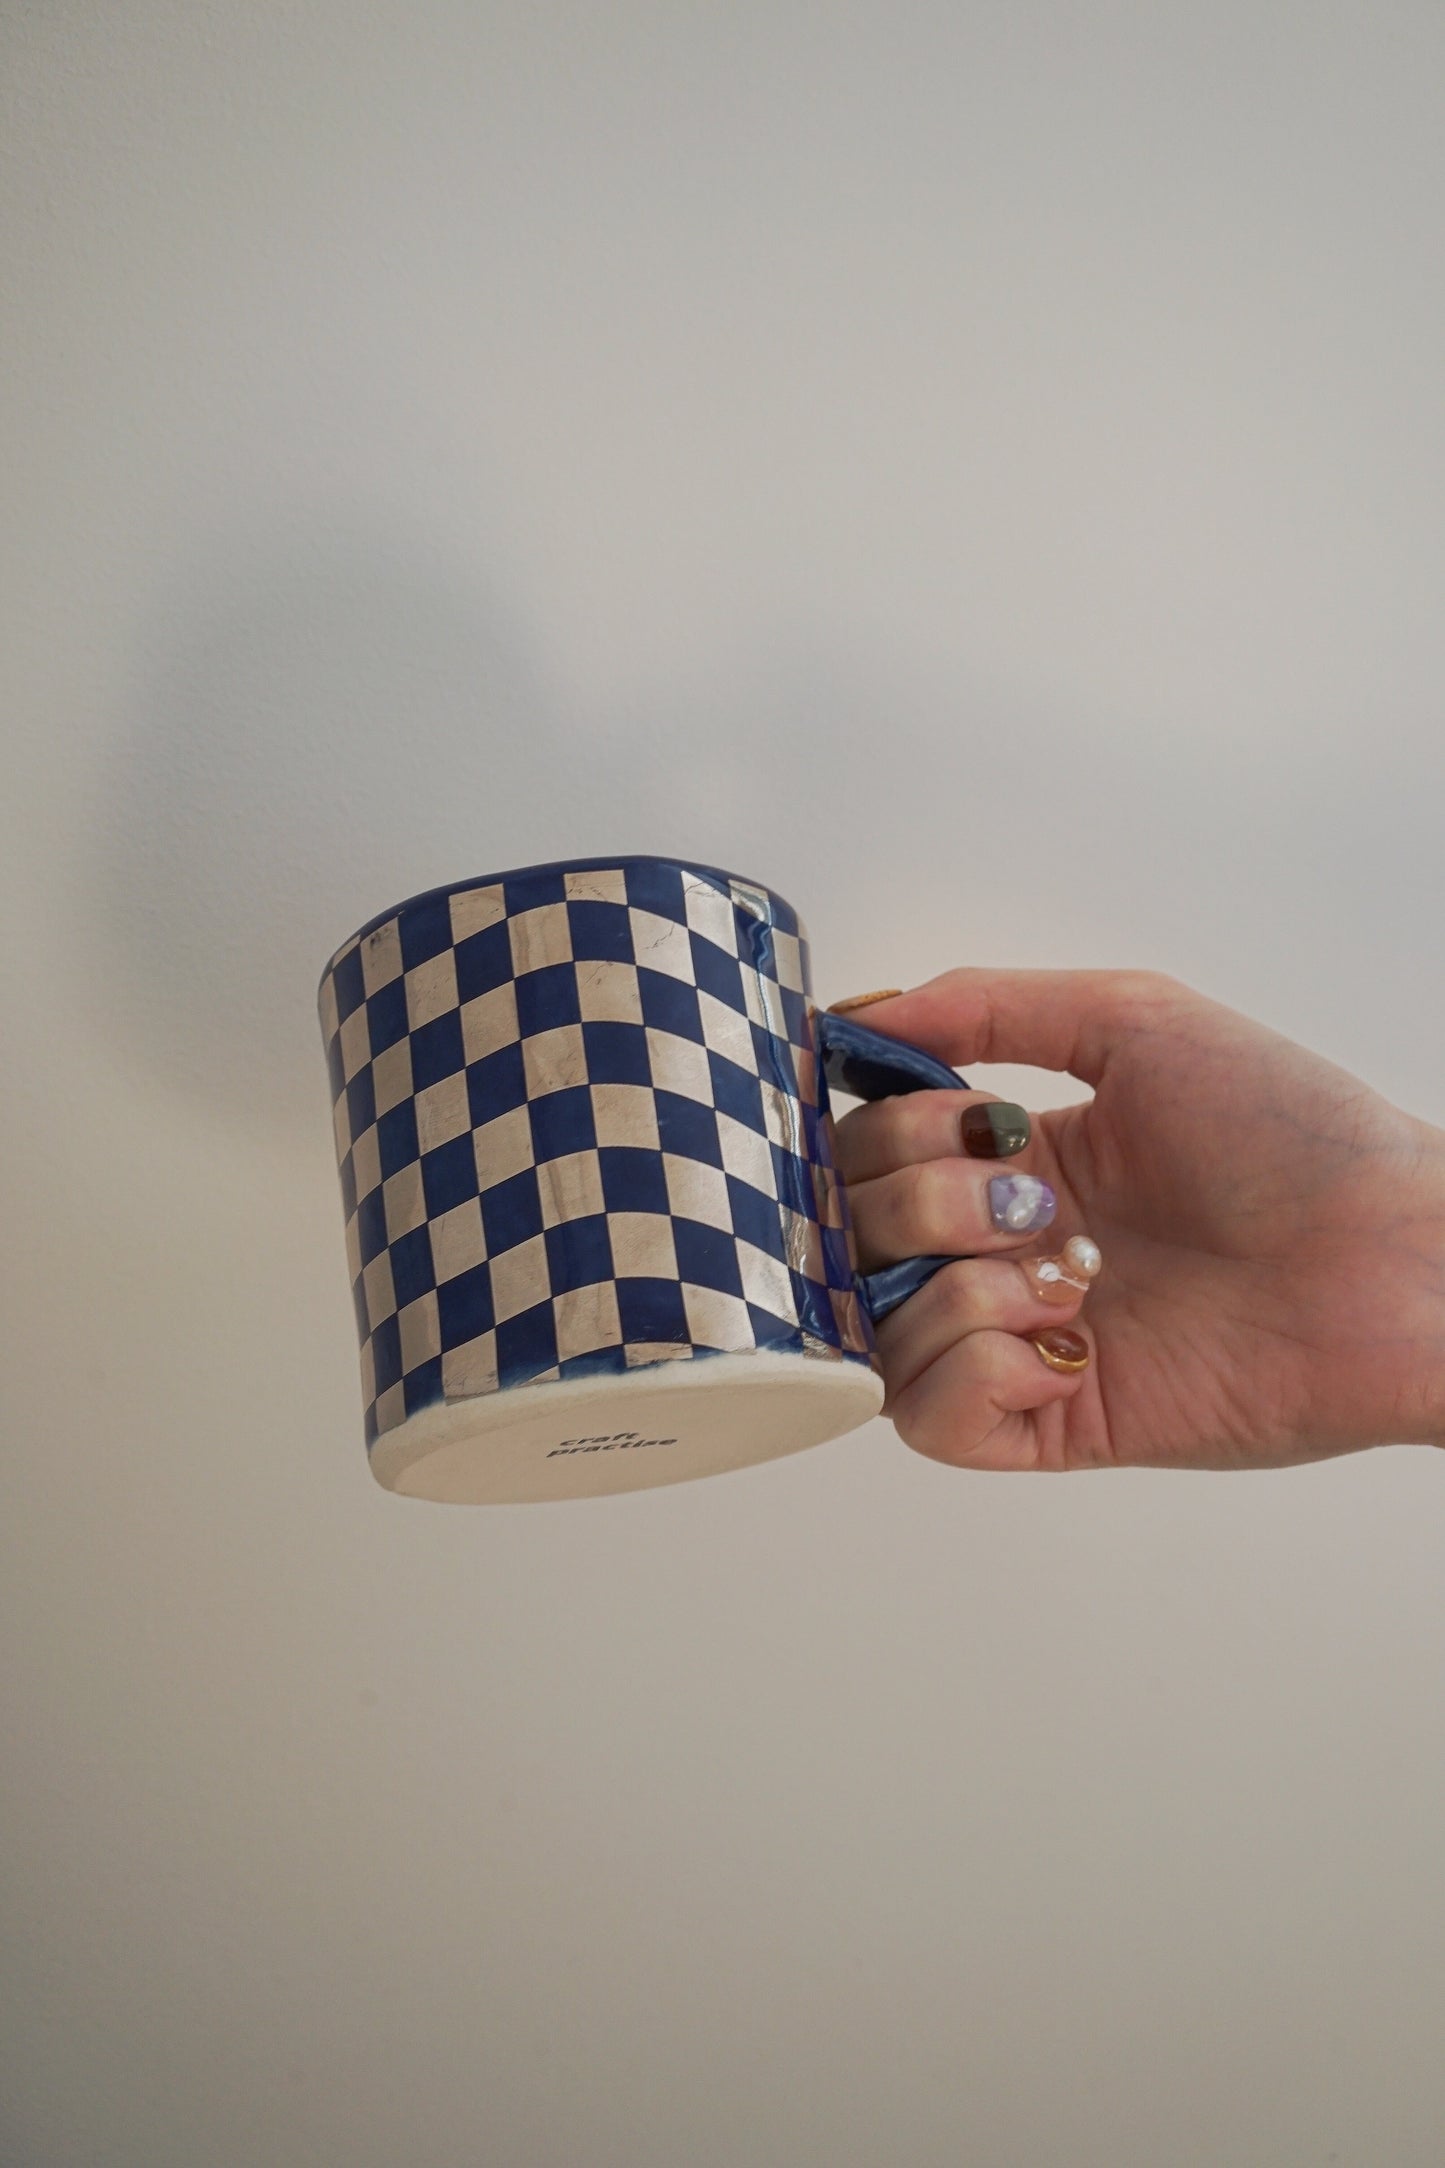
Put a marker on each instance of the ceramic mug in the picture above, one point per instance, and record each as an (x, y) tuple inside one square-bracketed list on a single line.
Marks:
[(596, 1235)]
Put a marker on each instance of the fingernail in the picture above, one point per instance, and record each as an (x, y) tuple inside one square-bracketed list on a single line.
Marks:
[(1072, 1272), (1020, 1204), (861, 1001), (1061, 1350), (994, 1129)]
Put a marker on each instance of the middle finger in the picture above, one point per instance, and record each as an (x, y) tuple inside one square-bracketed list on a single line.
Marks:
[(945, 1207)]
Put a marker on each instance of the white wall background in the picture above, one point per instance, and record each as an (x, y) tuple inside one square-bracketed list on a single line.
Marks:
[(979, 469)]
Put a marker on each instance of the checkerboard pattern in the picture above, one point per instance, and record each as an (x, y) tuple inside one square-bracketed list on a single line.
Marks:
[(582, 1127)]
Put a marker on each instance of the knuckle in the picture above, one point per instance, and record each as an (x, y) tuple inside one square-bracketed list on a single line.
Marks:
[(927, 1204)]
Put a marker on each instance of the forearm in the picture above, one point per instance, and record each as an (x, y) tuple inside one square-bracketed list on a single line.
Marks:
[(1425, 1386)]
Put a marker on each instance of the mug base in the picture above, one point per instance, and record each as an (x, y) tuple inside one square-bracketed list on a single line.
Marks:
[(666, 1422)]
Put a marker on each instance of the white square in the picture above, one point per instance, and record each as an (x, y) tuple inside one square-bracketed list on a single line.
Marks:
[(710, 913), (727, 1032), (679, 1065), (391, 1076), (642, 1246), (539, 937), (458, 1241), (420, 1330), (554, 1060), (788, 962), (403, 1202), (442, 1112), (476, 908), (470, 1368), (366, 1162), (381, 957), (626, 1114), (715, 1319), (520, 1278), (661, 944), (431, 989), (607, 993), (746, 1155), (784, 1119), (380, 1295), (607, 884), (503, 1147), (341, 1127), (803, 1241), (489, 1021), (586, 1318), (390, 1408), (766, 1282), (355, 1043), (570, 1187), (697, 1191)]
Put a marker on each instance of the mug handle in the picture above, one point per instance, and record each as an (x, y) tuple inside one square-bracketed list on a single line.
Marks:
[(868, 1065)]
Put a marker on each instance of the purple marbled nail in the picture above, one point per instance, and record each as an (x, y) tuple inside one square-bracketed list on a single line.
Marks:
[(1019, 1204)]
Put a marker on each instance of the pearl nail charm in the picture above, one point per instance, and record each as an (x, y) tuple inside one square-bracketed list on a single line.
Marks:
[(1061, 1278), (1020, 1204)]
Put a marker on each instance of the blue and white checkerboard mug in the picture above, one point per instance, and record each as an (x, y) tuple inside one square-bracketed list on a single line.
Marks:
[(596, 1236)]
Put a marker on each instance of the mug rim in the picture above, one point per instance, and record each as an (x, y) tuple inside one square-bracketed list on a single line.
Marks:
[(551, 865)]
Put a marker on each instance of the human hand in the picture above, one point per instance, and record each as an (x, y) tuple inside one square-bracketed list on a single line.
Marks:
[(1272, 1235)]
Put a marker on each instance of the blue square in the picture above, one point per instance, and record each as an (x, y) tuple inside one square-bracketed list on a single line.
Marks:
[(655, 886), (651, 1310), (706, 1256), (687, 1128), (484, 961), (361, 1101), (616, 1054), (770, 1329), (562, 1122), (835, 1257), (770, 1060), (756, 1218), (449, 1174), (411, 1266), (511, 1212), (737, 1093), (528, 891), (464, 1307), (496, 1084), (396, 1136), (386, 1019), (815, 1308), (335, 1067), (358, 1304), (425, 929), (386, 1354), (422, 1386), (601, 932), (794, 1180), (369, 1424), (348, 1185), (437, 1050), (669, 1005), (578, 1253), (718, 974), (371, 1226), (349, 984), (633, 1179), (597, 1362), (526, 1345), (795, 1016), (547, 998)]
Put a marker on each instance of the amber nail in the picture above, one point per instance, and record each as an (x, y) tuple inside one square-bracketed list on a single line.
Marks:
[(861, 1001), (1072, 1272), (1061, 1350)]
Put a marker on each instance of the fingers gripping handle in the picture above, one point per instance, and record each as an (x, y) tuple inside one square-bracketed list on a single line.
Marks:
[(868, 1065)]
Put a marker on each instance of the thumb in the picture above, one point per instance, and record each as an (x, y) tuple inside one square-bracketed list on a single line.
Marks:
[(1066, 1020)]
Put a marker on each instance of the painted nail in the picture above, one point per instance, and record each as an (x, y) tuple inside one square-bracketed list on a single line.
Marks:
[(994, 1129), (861, 1001), (1061, 1350), (1020, 1204), (1071, 1273)]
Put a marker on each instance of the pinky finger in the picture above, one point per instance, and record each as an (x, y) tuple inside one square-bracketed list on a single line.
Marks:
[(992, 1400)]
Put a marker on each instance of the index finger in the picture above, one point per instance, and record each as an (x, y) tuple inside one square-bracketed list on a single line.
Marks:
[(1063, 1020)]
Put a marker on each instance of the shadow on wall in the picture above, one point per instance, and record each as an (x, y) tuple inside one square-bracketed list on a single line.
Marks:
[(321, 723)]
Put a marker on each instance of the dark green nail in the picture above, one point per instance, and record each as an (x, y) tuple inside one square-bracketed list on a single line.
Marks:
[(994, 1129)]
